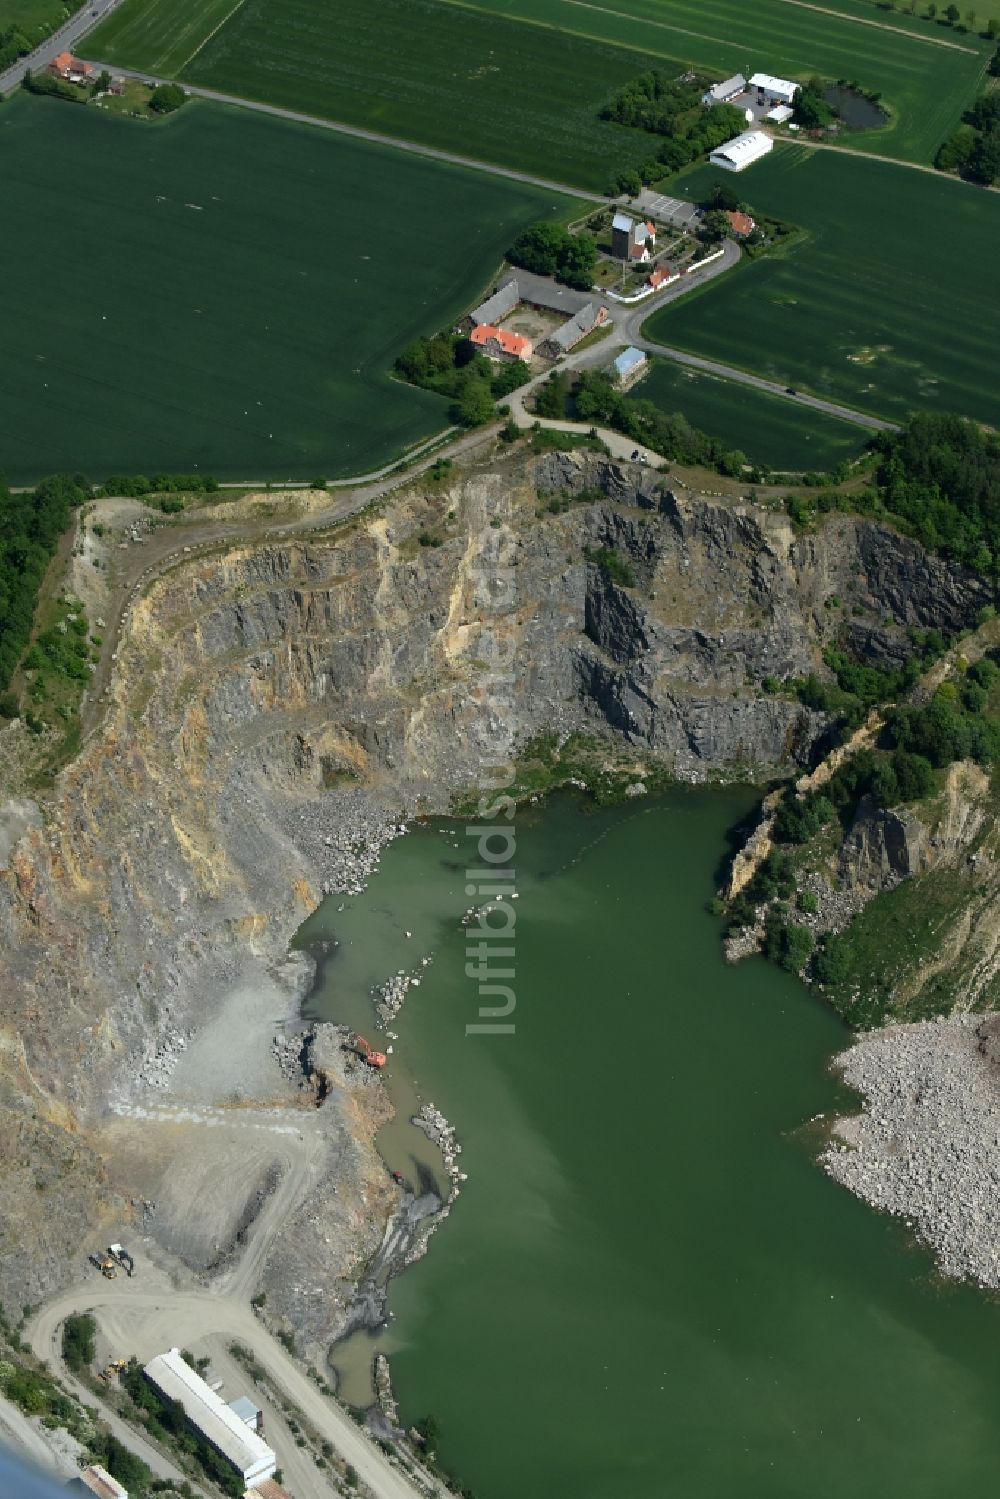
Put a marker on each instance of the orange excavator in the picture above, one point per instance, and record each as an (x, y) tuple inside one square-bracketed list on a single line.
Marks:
[(368, 1054)]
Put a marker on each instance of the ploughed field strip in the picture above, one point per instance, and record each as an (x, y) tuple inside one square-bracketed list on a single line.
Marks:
[(926, 86), (767, 428), (877, 308), (447, 76), (228, 297)]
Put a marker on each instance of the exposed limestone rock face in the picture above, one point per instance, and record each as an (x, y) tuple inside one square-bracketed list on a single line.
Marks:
[(269, 701), (882, 847)]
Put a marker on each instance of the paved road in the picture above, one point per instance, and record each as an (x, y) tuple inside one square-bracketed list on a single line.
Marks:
[(62, 40)]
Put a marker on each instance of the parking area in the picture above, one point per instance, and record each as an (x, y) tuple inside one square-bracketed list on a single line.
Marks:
[(668, 210)]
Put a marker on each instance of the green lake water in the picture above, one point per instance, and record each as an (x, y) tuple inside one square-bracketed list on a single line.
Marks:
[(647, 1286)]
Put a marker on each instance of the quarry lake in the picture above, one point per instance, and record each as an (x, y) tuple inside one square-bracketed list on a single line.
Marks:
[(647, 1286)]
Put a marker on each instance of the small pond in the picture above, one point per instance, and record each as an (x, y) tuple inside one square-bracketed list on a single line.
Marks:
[(855, 109)]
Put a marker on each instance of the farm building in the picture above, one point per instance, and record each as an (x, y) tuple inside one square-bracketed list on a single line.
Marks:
[(742, 151), (778, 90), (780, 114), (740, 223), (499, 343), (726, 91), (221, 1427), (96, 1481), (503, 300), (70, 68), (559, 342), (629, 367)]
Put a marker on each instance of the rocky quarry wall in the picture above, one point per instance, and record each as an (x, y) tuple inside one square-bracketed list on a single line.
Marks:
[(275, 709)]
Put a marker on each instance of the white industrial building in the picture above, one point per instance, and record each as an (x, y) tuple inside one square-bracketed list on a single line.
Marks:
[(230, 1435), (778, 90), (742, 151)]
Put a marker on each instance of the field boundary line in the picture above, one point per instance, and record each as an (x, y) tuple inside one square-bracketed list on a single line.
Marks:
[(214, 32), (703, 36), (590, 36), (914, 36), (586, 36)]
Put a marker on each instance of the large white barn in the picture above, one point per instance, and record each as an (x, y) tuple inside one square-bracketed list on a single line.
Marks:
[(742, 151), (781, 89)]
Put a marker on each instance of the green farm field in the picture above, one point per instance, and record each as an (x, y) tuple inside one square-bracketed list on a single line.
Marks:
[(769, 430), (888, 305), (454, 78), (227, 295), (164, 37), (519, 82)]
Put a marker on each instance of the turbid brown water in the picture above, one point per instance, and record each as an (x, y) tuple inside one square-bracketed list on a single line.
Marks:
[(648, 1287)]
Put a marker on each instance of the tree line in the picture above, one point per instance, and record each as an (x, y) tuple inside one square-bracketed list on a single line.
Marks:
[(30, 527), (974, 149)]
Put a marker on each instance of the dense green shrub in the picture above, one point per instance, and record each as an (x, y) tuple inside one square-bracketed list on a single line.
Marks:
[(166, 97), (78, 1346), (31, 525), (788, 944), (550, 250), (941, 475), (612, 564)]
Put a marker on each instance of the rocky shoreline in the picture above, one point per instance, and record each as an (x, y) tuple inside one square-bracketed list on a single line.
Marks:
[(926, 1148)]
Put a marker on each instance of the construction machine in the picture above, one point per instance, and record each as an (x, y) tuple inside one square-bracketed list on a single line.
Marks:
[(367, 1052), (121, 1254)]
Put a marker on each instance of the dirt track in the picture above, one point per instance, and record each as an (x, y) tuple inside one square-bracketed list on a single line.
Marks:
[(147, 1314)]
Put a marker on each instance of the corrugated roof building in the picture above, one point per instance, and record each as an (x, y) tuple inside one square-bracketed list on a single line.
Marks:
[(221, 1427), (729, 88), (503, 300), (561, 340), (742, 151)]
